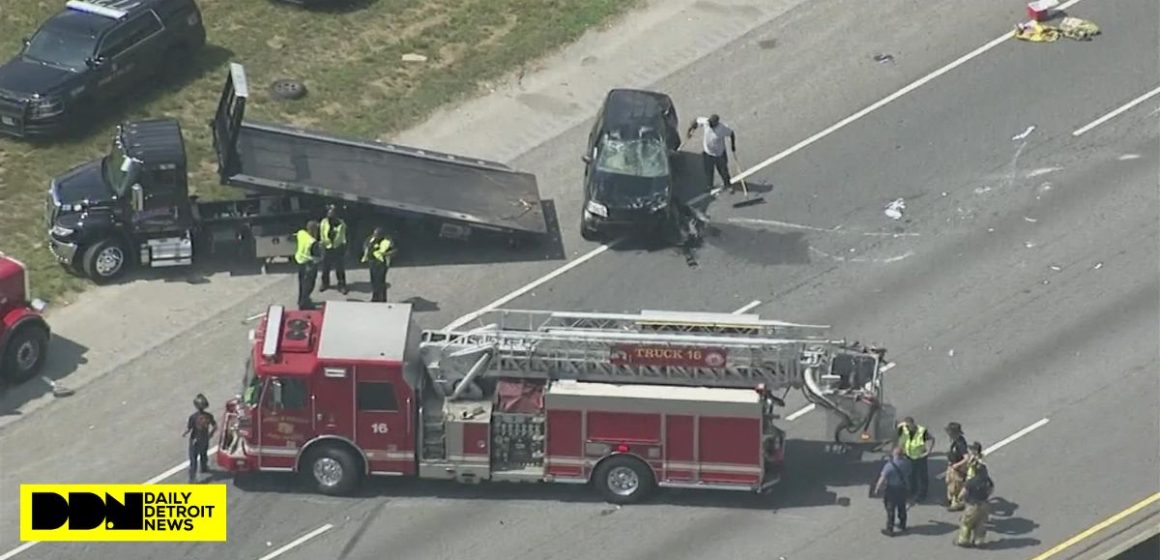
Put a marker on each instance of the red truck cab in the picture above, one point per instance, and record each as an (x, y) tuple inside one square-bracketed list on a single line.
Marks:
[(24, 334)]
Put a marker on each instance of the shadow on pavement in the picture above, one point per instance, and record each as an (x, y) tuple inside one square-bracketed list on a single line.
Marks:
[(64, 357)]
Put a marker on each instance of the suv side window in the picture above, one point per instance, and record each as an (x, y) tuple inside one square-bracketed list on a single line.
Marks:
[(130, 34)]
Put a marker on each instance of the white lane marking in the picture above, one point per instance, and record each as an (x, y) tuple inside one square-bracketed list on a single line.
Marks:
[(748, 306), (885, 100), (778, 157), (172, 471), (258, 316), (838, 229), (888, 260), (1127, 157), (297, 542), (1115, 113), (1003, 443), (804, 411), (887, 367), (18, 550)]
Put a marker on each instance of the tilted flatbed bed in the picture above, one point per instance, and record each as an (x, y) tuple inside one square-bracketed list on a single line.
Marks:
[(460, 191)]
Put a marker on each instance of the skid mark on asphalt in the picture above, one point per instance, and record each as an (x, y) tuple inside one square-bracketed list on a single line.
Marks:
[(835, 229), (863, 260)]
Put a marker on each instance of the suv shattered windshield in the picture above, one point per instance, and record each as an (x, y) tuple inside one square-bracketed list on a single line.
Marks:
[(645, 156), (62, 49)]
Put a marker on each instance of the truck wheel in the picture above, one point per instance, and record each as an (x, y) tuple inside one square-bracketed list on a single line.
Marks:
[(105, 261), (25, 354), (334, 471), (623, 480)]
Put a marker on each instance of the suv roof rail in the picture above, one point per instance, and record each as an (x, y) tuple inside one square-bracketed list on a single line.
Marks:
[(114, 9)]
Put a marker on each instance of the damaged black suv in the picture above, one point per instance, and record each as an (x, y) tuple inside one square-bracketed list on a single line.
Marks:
[(90, 54), (628, 181)]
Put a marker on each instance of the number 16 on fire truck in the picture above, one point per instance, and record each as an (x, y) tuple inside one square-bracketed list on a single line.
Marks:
[(624, 402)]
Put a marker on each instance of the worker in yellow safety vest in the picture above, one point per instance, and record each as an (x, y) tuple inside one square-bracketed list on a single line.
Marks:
[(333, 230), (917, 444), (377, 252), (307, 255)]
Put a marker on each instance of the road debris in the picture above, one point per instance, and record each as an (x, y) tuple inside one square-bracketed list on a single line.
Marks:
[(951, 353), (58, 390), (1071, 27), (884, 58), (1029, 219), (982, 190), (414, 57), (1029, 244), (1024, 134), (895, 208), (1098, 266), (1056, 267)]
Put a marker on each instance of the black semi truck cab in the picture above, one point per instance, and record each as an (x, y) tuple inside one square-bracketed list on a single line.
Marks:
[(133, 206)]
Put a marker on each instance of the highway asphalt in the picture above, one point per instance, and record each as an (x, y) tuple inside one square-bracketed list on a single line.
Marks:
[(1020, 285)]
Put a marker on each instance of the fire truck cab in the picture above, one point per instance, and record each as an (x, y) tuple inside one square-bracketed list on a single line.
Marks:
[(24, 334), (626, 403)]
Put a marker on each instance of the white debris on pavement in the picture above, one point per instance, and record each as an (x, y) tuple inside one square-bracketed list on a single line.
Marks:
[(1098, 266), (895, 208), (951, 353), (1024, 135), (414, 57)]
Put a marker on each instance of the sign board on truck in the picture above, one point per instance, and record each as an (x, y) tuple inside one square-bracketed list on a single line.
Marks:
[(672, 356)]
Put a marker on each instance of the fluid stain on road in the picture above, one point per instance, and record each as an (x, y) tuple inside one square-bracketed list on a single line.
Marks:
[(759, 246)]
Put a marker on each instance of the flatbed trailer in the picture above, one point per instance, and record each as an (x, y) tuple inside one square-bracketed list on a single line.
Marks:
[(133, 207), (457, 191)]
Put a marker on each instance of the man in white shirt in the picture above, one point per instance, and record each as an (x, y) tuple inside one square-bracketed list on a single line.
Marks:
[(713, 144)]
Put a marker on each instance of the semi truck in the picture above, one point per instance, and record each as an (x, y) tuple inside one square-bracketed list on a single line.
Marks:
[(133, 207), (24, 334), (623, 402)]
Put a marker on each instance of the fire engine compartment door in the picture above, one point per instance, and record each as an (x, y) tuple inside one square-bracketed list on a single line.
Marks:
[(333, 394), (382, 427)]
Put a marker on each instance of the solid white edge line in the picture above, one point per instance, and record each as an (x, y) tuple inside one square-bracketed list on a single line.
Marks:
[(747, 307), (804, 410), (298, 541), (1002, 443), (1115, 113), (879, 104), (172, 471)]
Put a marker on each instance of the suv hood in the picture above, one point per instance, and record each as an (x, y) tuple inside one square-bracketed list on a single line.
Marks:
[(628, 191), (84, 184), (24, 77)]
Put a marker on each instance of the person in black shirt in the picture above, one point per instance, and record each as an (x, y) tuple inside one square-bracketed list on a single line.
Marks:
[(956, 466), (200, 428)]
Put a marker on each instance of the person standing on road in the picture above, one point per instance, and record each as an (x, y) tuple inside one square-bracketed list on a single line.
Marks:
[(200, 428), (377, 253), (333, 230), (713, 148), (916, 444), (894, 481), (976, 492), (307, 255), (956, 466)]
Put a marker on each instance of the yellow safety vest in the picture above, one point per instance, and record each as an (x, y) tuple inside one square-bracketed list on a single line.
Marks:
[(971, 464), (377, 251), (913, 445), (305, 252), (339, 234)]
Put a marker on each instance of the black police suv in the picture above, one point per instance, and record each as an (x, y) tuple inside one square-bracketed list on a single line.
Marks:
[(91, 53), (628, 179)]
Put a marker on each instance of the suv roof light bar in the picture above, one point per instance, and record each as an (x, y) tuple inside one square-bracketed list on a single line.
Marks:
[(96, 9)]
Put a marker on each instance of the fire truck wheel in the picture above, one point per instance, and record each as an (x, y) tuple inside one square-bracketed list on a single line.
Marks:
[(25, 353), (623, 480), (333, 470)]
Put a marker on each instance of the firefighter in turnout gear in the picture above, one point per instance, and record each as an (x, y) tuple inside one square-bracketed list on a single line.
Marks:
[(200, 428), (333, 230), (957, 457), (377, 253), (307, 255), (976, 492), (916, 443)]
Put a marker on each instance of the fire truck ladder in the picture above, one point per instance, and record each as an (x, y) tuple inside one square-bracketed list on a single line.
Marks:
[(591, 347)]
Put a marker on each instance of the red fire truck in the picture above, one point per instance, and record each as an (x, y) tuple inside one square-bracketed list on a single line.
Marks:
[(625, 402), (24, 333)]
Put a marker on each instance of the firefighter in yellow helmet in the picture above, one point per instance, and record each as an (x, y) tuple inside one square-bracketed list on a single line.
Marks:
[(377, 252), (307, 256), (976, 493)]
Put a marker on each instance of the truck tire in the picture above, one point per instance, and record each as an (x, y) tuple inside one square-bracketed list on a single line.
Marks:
[(623, 479), (25, 353), (105, 261), (333, 470)]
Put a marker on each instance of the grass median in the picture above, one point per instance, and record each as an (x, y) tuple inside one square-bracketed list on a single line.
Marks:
[(350, 58)]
